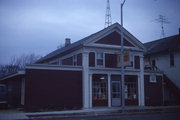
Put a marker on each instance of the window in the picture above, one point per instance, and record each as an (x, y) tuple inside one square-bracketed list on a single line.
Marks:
[(130, 90), (153, 63), (126, 59), (99, 87), (136, 62), (75, 60), (55, 62), (171, 56), (99, 59)]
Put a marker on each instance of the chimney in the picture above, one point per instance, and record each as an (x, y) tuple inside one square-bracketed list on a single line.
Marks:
[(67, 41)]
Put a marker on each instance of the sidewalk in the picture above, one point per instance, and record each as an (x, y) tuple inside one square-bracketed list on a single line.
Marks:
[(19, 115), (12, 115)]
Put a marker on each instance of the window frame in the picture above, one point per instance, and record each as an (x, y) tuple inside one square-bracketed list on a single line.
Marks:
[(131, 93), (101, 58)]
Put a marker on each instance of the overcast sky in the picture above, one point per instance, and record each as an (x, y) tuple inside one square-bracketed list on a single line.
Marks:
[(39, 26)]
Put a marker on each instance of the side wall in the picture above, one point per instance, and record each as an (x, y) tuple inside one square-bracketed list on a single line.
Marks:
[(163, 63), (53, 89)]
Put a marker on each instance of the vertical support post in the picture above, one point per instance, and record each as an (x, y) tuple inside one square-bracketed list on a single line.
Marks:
[(23, 91), (109, 90), (90, 90), (163, 89), (121, 14), (122, 70), (85, 82), (141, 82), (122, 59)]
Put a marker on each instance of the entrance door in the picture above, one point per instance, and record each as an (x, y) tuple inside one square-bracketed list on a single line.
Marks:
[(115, 91)]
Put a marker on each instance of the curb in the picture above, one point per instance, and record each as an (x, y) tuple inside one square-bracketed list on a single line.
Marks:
[(104, 113)]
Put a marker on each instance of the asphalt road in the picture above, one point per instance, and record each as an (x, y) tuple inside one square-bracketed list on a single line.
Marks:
[(149, 116)]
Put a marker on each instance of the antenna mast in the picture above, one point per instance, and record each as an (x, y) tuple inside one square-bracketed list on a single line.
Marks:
[(162, 19), (108, 20)]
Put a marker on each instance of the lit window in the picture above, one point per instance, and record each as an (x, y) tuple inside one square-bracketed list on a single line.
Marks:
[(130, 90), (99, 85)]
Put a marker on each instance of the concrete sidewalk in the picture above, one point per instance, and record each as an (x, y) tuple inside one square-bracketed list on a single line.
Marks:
[(19, 115), (12, 115)]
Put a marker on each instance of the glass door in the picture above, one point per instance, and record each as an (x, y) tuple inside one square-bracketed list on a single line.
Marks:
[(115, 91)]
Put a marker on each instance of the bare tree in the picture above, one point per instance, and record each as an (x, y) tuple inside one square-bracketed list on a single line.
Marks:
[(23, 60), (18, 63)]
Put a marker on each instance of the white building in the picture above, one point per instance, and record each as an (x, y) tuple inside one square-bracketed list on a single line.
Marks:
[(164, 54)]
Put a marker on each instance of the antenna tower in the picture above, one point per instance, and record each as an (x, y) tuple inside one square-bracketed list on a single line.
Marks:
[(108, 20), (162, 19)]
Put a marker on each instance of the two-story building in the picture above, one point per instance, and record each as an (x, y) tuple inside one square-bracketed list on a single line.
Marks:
[(87, 74), (164, 54)]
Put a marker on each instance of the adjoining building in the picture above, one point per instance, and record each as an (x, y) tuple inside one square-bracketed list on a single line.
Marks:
[(164, 55), (87, 74)]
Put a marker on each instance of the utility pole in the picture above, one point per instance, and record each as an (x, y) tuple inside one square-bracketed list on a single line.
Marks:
[(122, 60), (122, 4), (162, 19), (108, 20)]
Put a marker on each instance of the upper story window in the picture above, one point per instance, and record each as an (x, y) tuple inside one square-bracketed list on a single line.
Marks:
[(136, 62), (99, 58), (153, 63), (75, 60), (171, 58), (54, 62)]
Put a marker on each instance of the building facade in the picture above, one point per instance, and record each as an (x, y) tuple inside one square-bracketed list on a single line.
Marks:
[(87, 74)]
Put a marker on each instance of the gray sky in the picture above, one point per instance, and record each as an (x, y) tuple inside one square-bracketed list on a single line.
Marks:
[(39, 26)]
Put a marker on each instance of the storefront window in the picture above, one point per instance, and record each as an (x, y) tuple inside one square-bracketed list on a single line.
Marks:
[(130, 90), (99, 87)]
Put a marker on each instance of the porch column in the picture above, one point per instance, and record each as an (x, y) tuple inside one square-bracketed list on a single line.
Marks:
[(141, 82), (109, 90), (85, 81), (90, 89)]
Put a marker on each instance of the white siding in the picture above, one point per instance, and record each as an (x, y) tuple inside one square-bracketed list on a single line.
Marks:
[(163, 63)]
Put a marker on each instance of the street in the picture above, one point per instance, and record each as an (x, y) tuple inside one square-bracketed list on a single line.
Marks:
[(146, 116)]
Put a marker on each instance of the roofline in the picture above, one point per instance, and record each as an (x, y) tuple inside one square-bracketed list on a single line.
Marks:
[(13, 75), (160, 39), (64, 52), (83, 40)]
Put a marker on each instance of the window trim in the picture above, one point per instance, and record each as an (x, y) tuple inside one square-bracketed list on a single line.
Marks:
[(103, 59)]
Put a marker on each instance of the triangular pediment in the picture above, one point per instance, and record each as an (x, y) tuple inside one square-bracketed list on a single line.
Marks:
[(111, 37), (114, 38)]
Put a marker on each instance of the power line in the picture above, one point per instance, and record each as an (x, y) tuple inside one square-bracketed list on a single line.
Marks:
[(108, 20)]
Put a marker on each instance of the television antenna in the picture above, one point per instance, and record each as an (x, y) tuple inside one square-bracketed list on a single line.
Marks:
[(162, 20)]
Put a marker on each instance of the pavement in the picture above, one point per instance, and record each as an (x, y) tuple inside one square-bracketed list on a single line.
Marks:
[(16, 114)]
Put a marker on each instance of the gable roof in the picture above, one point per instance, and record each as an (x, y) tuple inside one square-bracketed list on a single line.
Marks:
[(81, 42), (162, 45)]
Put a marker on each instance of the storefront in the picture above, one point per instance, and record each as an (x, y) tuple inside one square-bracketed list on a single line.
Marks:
[(100, 90)]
